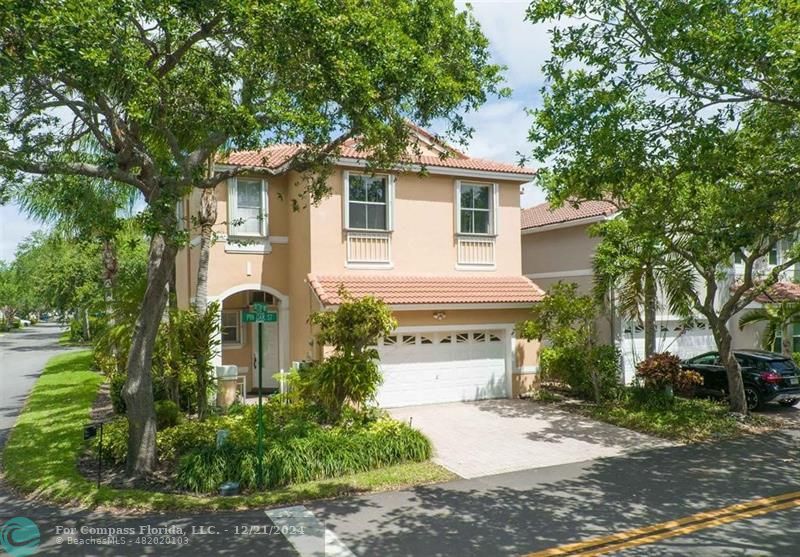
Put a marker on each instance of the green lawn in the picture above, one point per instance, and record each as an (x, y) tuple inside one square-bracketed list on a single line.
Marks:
[(42, 451), (688, 420)]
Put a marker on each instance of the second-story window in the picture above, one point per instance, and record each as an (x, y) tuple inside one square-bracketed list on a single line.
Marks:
[(367, 202), (476, 206), (247, 207)]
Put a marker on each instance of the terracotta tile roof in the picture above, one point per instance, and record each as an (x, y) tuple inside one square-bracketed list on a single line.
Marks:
[(399, 290), (780, 292), (543, 214), (276, 155)]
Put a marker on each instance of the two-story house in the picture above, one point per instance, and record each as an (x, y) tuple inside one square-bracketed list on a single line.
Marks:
[(556, 246), (440, 247)]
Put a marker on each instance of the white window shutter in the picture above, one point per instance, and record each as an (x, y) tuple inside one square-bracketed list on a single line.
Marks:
[(457, 205), (264, 208), (346, 199), (232, 213), (390, 195), (495, 208)]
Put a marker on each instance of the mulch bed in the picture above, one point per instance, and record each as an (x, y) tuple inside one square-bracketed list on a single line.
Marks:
[(114, 476)]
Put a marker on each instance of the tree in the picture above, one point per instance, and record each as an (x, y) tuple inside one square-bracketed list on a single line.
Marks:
[(568, 321), (83, 209), (693, 132), (162, 87), (351, 374), (633, 268), (779, 318)]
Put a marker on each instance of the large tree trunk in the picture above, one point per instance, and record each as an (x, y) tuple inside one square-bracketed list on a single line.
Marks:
[(207, 217), (138, 390), (738, 403), (650, 295)]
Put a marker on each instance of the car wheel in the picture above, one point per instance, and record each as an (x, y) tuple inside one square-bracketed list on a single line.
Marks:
[(790, 402), (754, 399)]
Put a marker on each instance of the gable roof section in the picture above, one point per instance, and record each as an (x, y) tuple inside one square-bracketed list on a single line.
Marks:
[(275, 156), (544, 215), (427, 290)]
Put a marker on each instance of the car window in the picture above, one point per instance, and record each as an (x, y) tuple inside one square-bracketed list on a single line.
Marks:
[(743, 360), (705, 359), (782, 365)]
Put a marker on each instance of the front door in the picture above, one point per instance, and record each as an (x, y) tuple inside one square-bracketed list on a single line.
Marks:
[(271, 359)]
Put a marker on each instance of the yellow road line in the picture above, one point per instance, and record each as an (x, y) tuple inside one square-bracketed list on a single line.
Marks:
[(692, 528), (663, 530)]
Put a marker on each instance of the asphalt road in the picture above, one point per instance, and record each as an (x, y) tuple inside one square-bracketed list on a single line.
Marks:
[(508, 514)]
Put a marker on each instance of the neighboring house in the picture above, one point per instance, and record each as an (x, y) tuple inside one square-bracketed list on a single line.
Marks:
[(556, 246), (442, 249)]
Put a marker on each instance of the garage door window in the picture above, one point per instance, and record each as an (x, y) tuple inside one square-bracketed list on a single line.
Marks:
[(445, 339)]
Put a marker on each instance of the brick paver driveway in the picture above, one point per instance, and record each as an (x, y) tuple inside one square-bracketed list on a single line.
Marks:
[(489, 437)]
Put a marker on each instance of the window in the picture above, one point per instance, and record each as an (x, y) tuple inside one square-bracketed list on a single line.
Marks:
[(423, 339), (475, 208), (180, 214), (705, 359), (247, 207), (260, 297), (776, 347), (773, 256), (738, 258), (445, 339), (409, 339), (390, 340), (479, 337), (231, 328), (462, 338), (367, 202)]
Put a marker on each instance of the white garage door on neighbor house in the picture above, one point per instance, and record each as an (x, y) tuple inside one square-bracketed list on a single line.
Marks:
[(683, 339), (442, 366)]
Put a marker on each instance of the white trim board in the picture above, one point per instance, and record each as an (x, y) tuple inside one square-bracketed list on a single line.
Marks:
[(561, 274)]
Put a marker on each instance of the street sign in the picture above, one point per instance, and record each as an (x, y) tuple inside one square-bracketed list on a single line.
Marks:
[(260, 316)]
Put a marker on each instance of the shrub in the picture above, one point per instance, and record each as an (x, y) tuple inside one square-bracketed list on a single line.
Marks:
[(796, 358), (115, 441), (351, 374), (168, 414), (322, 453), (662, 370), (586, 373), (116, 383)]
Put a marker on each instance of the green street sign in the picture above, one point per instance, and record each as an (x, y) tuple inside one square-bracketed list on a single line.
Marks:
[(259, 307), (260, 316)]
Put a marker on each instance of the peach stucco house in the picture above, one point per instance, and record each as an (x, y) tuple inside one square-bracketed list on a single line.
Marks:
[(442, 249)]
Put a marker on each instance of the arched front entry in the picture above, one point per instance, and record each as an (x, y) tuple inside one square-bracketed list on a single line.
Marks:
[(239, 340)]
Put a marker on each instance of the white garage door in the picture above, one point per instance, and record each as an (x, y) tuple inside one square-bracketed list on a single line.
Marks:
[(682, 339), (427, 368)]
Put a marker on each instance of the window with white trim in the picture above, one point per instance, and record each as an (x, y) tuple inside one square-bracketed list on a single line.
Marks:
[(247, 207), (476, 206), (368, 202), (230, 328)]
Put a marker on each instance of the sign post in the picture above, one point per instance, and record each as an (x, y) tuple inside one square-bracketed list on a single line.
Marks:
[(260, 315), (89, 432)]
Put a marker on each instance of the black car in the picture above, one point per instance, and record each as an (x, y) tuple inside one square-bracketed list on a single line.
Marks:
[(767, 376)]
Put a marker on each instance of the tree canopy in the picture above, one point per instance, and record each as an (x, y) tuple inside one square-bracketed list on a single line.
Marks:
[(161, 87), (687, 115)]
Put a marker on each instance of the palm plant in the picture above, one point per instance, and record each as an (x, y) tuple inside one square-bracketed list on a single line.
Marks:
[(634, 268), (778, 318)]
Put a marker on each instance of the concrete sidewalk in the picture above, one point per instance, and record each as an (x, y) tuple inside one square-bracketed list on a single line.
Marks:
[(483, 438)]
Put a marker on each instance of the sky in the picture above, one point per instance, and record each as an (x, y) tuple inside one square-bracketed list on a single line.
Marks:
[(501, 125)]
